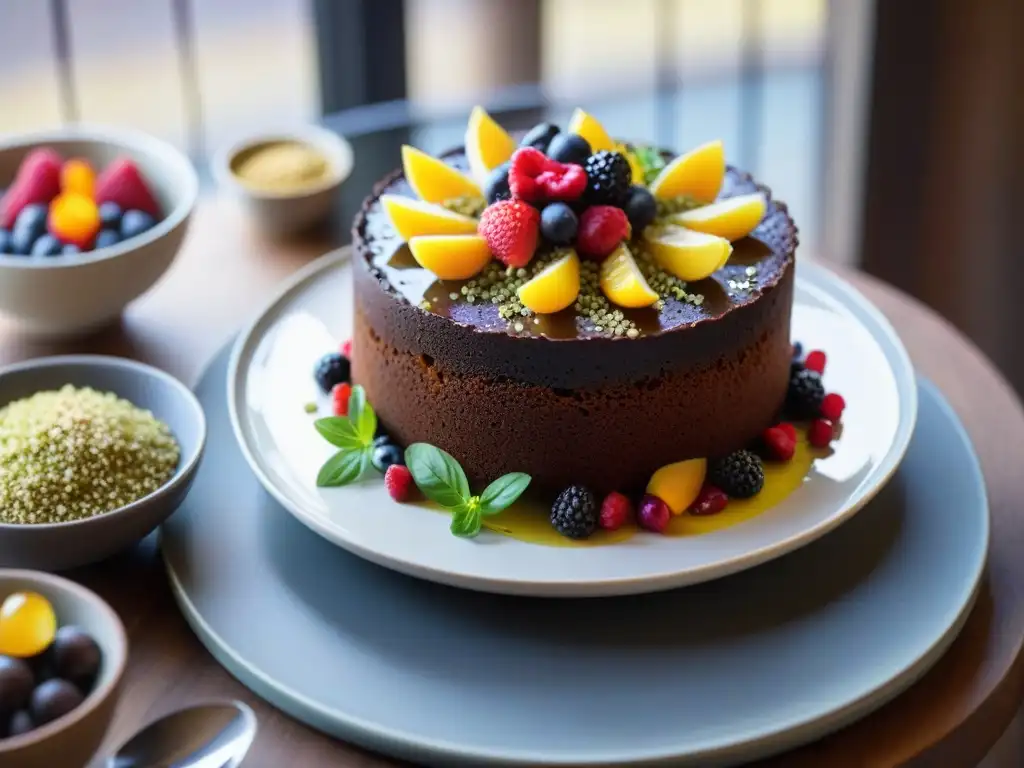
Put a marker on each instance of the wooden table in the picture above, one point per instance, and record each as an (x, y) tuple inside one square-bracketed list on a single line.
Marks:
[(226, 272)]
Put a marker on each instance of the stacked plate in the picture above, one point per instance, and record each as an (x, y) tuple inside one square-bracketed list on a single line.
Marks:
[(337, 605)]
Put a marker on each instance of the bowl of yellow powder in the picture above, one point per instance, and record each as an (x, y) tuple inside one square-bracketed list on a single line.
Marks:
[(286, 181), (95, 453)]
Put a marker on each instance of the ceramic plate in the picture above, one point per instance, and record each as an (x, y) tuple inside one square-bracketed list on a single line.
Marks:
[(716, 674), (270, 380)]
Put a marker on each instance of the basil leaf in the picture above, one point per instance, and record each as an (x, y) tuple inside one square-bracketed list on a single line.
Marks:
[(437, 475), (466, 520), (503, 492), (366, 424), (339, 431), (342, 468), (356, 403)]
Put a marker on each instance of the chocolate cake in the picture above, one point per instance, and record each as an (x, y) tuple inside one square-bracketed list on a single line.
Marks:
[(700, 373)]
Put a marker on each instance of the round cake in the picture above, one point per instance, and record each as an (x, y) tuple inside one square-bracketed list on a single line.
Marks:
[(597, 393)]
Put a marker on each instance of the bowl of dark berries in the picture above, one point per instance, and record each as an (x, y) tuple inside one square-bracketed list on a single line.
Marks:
[(90, 218), (62, 654)]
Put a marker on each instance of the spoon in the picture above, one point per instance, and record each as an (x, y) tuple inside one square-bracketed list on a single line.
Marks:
[(216, 735)]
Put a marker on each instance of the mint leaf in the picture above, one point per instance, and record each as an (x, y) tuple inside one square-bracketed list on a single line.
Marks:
[(437, 475), (339, 431), (342, 468), (466, 520), (503, 492), (362, 415), (651, 161)]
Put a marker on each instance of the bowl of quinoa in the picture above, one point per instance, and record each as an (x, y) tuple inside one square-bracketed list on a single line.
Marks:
[(95, 453)]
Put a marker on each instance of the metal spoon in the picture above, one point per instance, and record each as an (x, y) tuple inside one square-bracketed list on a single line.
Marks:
[(206, 736)]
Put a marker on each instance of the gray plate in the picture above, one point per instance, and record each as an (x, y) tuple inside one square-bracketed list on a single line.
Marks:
[(713, 674)]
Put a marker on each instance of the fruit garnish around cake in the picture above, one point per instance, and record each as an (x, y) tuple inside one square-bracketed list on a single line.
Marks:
[(590, 129), (434, 180), (678, 484), (555, 288), (488, 145), (732, 218), (698, 174), (412, 218), (451, 257), (623, 282), (687, 254)]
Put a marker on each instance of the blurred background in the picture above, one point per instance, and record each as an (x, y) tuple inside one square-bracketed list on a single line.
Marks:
[(895, 131)]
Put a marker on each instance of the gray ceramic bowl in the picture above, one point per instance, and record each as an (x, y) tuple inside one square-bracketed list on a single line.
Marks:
[(72, 295), (59, 546), (73, 739)]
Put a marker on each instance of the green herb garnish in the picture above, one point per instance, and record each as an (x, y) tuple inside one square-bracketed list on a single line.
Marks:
[(441, 479), (651, 161), (353, 436)]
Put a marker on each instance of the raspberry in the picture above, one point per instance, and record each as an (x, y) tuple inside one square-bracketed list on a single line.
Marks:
[(536, 178), (654, 514), (511, 229), (601, 229), (398, 481), (346, 349), (832, 406), (815, 361), (615, 511), (788, 428), (339, 398), (709, 501), (778, 444), (820, 433)]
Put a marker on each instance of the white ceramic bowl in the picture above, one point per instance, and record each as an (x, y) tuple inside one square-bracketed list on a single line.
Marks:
[(286, 213), (72, 295)]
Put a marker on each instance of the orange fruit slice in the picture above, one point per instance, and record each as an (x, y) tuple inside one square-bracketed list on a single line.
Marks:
[(697, 174), (488, 145), (590, 129), (678, 484), (451, 257), (623, 282), (434, 180), (553, 288), (732, 218), (411, 218), (686, 254)]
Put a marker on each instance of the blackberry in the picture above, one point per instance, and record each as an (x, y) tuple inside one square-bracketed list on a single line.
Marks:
[(805, 393), (575, 512), (609, 179), (332, 369), (740, 474)]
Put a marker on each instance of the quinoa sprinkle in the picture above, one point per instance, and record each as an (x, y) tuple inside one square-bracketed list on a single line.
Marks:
[(75, 453)]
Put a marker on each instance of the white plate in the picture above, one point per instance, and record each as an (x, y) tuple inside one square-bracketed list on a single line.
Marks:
[(270, 380)]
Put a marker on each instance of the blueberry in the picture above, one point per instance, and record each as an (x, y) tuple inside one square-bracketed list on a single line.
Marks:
[(135, 223), (330, 370), (16, 684), (47, 245), (70, 250), (641, 208), (54, 699), (28, 227), (76, 656), (540, 136), (381, 439), (110, 214), (20, 724), (496, 186), (5, 241), (107, 238), (385, 455), (798, 350), (569, 148), (558, 224)]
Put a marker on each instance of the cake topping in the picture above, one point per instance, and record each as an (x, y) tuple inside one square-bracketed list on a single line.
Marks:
[(591, 130), (554, 288), (539, 137), (510, 228), (559, 224), (451, 257), (536, 178), (411, 218), (732, 218), (496, 186), (602, 228), (697, 174), (569, 148), (434, 180), (684, 253), (488, 145), (622, 281), (641, 208), (609, 178)]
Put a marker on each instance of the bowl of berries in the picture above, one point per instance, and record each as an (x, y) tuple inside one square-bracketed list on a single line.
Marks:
[(63, 651), (90, 218)]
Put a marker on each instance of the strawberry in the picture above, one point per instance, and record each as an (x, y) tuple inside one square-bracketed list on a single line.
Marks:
[(536, 178), (38, 181), (602, 228), (121, 182), (511, 228)]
